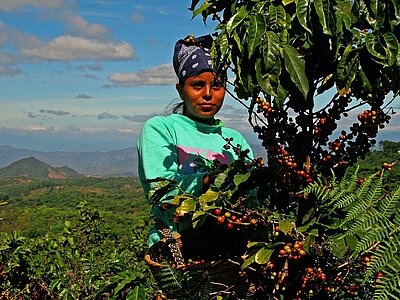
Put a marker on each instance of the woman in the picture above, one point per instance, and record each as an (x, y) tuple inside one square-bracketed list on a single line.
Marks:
[(180, 145)]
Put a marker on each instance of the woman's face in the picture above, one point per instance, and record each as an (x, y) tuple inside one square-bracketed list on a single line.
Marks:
[(203, 95)]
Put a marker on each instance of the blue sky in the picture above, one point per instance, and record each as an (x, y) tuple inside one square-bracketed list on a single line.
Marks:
[(83, 75)]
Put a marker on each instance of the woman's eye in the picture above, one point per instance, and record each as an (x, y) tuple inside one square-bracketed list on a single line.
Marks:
[(198, 85)]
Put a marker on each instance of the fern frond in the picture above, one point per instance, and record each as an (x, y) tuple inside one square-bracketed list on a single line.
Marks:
[(370, 238), (388, 288), (386, 256), (350, 180), (366, 197), (317, 188), (343, 194), (171, 280), (372, 217), (389, 204), (184, 285), (378, 223), (370, 220), (345, 190)]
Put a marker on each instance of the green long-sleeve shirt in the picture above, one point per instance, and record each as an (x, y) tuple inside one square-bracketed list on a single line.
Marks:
[(170, 147)]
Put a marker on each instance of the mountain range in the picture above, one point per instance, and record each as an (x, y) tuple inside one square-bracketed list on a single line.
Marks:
[(112, 163), (31, 167)]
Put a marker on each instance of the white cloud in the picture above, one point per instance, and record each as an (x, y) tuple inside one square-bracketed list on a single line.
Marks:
[(13, 5), (35, 128), (137, 118), (136, 18), (83, 41), (106, 115), (159, 75), (67, 48), (54, 112), (9, 71), (83, 96), (125, 130), (93, 67), (79, 26)]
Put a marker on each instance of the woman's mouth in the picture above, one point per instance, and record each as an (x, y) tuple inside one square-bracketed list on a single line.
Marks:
[(207, 105)]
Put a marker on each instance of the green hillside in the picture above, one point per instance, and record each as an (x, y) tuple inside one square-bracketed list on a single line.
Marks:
[(31, 167)]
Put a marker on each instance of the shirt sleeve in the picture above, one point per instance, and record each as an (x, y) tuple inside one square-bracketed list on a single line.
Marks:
[(158, 158)]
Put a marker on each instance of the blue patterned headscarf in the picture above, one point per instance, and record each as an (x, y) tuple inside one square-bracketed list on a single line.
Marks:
[(192, 56)]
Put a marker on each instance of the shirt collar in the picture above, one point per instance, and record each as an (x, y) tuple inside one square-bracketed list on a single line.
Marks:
[(183, 120)]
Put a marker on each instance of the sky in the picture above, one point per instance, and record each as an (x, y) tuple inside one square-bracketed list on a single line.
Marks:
[(83, 75)]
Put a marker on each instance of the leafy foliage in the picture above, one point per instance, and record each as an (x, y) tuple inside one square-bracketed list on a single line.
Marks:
[(285, 54), (286, 57), (79, 263), (369, 216), (41, 205)]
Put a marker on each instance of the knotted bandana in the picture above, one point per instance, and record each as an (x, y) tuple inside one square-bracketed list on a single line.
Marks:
[(192, 56)]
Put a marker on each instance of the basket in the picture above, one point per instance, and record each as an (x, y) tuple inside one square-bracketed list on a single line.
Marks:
[(215, 254), (224, 275)]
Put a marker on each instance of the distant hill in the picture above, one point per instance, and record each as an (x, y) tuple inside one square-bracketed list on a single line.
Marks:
[(111, 163), (31, 167)]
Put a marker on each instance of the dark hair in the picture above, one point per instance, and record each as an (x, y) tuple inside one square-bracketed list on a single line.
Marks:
[(178, 108), (175, 107)]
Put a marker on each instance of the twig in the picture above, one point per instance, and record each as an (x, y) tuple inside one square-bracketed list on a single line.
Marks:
[(246, 106)]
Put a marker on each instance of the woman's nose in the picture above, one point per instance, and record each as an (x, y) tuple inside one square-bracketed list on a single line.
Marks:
[(207, 92)]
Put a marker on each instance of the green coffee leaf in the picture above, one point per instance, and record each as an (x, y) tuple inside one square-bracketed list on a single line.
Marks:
[(286, 225), (255, 33), (295, 65), (392, 47), (322, 9), (268, 81), (138, 293), (263, 255), (302, 9), (374, 46), (239, 178), (236, 20), (186, 206), (270, 49), (248, 261), (202, 8), (208, 196)]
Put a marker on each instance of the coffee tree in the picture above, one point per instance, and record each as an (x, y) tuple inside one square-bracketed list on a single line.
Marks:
[(303, 65), (300, 67)]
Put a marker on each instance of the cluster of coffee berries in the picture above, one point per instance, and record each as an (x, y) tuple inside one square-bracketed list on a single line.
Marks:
[(190, 39), (369, 117), (293, 251), (379, 276), (360, 180), (388, 166), (338, 145), (258, 162), (264, 107), (314, 280), (160, 295), (306, 175), (324, 127), (267, 135), (284, 158), (230, 219)]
